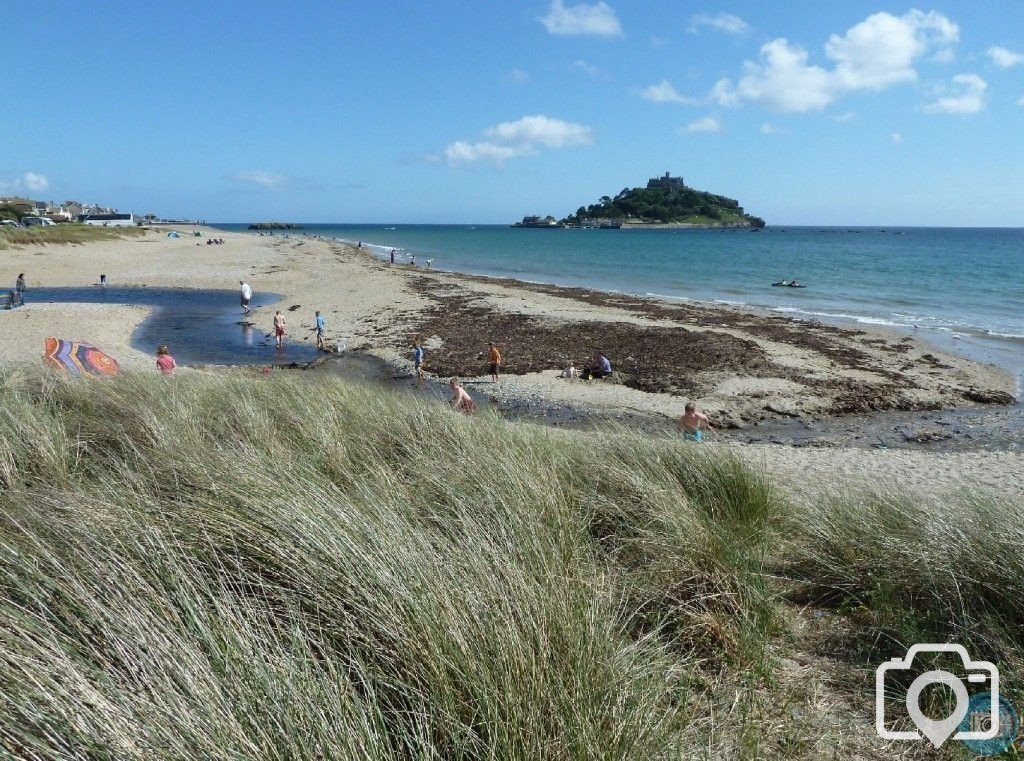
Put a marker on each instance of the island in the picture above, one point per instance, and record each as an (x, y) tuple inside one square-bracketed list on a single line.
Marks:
[(666, 202), (274, 226)]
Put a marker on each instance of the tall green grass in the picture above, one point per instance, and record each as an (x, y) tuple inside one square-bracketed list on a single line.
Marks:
[(240, 566), (70, 232), (290, 566)]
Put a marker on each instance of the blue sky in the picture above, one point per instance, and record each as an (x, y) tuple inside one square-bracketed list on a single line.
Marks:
[(808, 113)]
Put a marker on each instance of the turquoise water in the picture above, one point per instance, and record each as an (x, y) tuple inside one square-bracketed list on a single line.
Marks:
[(962, 288)]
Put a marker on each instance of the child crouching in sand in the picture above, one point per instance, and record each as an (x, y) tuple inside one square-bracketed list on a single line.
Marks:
[(461, 400), (165, 361), (692, 423)]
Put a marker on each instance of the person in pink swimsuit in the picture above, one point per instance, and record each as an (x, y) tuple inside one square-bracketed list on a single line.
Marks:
[(165, 361)]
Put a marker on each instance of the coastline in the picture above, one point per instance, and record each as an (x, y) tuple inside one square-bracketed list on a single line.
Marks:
[(748, 368)]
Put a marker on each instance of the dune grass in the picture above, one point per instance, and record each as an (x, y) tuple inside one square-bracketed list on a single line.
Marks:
[(291, 566), (70, 232)]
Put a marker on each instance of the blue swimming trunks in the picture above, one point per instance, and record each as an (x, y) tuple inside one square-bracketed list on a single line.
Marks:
[(695, 436)]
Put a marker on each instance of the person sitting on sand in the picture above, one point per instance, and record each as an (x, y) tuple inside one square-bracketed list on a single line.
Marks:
[(461, 400), (692, 423), (571, 371), (494, 358), (164, 361), (417, 360), (600, 367), (246, 297), (321, 327), (279, 328)]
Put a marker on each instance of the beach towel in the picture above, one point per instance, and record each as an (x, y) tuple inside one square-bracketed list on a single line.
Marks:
[(78, 358)]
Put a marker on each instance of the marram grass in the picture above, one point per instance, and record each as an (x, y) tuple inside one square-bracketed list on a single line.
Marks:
[(294, 567)]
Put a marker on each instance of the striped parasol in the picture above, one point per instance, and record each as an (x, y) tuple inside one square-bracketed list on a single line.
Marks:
[(78, 358)]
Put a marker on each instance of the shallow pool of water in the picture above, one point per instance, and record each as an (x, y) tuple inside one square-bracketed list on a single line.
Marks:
[(199, 326)]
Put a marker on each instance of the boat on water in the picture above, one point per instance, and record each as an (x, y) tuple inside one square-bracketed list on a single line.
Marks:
[(789, 284)]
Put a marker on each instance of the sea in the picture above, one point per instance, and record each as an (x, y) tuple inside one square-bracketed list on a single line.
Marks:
[(962, 289)]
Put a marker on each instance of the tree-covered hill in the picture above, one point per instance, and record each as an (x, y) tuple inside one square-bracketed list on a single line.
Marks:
[(666, 205)]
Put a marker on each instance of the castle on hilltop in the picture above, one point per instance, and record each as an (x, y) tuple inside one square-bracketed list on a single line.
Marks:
[(666, 182)]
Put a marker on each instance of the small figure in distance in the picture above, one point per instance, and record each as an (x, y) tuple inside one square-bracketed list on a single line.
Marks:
[(103, 279), (164, 361), (461, 400), (430, 263), (417, 361), (600, 367), (571, 371), (692, 423), (412, 262), (20, 288), (494, 357), (392, 256), (246, 297), (321, 327), (279, 325)]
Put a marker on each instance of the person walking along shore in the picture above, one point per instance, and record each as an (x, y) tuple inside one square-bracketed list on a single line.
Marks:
[(279, 325), (246, 293)]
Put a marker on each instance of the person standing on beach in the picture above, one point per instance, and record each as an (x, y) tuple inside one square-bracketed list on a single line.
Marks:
[(19, 288), (279, 329), (461, 400), (692, 422), (392, 256), (321, 327), (417, 361), (494, 357), (164, 361), (246, 297)]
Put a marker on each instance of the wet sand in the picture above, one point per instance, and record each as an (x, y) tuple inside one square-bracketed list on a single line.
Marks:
[(763, 377)]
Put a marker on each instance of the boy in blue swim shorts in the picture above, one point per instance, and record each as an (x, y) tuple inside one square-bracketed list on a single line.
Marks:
[(693, 423)]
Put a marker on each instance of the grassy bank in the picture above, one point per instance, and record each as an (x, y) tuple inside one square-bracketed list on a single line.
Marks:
[(62, 233), (240, 566)]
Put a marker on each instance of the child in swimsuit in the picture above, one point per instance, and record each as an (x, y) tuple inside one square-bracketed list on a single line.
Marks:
[(692, 422), (165, 361)]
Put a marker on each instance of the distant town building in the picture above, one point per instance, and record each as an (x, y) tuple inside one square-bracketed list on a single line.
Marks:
[(666, 182)]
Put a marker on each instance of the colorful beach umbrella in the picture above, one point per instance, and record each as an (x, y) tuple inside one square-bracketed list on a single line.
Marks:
[(78, 358)]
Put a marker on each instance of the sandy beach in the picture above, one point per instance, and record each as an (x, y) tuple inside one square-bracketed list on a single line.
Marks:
[(741, 366)]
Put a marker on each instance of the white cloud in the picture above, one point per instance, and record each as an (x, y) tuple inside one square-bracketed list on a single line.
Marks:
[(705, 124), (664, 92), (598, 19), (518, 76), (590, 70), (880, 51), (261, 178), (461, 152), (1004, 58), (723, 22), (554, 133), (877, 53), (783, 81), (967, 96), (769, 129), (519, 138), (896, 137), (36, 183), (26, 182), (846, 117), (1020, 101)]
